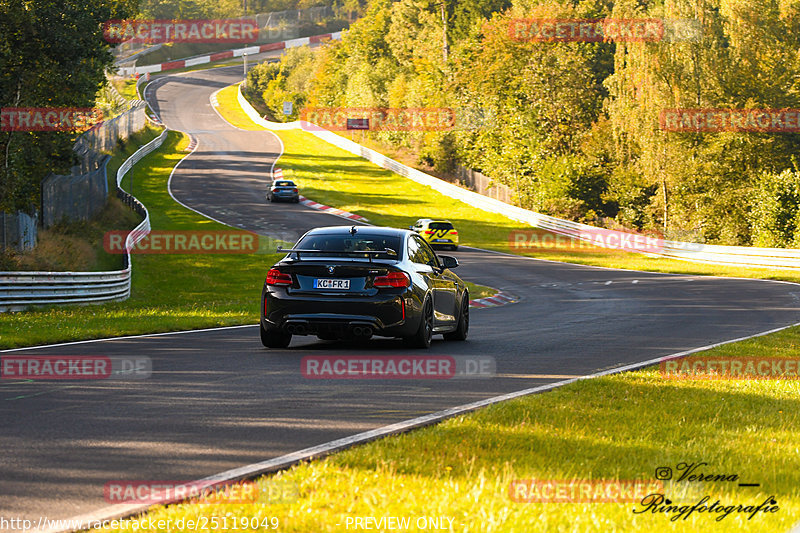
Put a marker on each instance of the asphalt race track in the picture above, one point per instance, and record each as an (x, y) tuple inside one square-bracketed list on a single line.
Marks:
[(217, 399)]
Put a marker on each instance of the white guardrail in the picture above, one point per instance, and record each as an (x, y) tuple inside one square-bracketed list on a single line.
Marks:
[(19, 290), (783, 258)]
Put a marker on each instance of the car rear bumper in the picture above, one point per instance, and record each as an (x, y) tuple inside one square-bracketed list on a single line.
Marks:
[(384, 315), (285, 196)]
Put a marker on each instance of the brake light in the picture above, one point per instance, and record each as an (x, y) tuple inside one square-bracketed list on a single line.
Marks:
[(453, 232), (294, 190), (429, 232), (276, 277), (393, 279)]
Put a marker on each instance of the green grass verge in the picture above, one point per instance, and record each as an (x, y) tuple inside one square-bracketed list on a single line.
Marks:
[(170, 292), (126, 87), (335, 177), (620, 427)]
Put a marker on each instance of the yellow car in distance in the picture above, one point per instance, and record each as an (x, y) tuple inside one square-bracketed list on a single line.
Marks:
[(437, 232)]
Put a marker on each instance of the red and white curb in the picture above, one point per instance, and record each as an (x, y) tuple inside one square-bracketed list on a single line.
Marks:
[(501, 298), (332, 210), (192, 143), (250, 50)]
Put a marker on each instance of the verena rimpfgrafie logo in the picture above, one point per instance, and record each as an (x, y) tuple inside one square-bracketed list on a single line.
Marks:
[(49, 118), (181, 31), (757, 368), (74, 367), (585, 240), (581, 491), (397, 367), (604, 30), (700, 120), (394, 119)]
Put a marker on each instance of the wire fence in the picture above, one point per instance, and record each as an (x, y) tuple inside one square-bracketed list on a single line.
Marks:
[(17, 231), (74, 197), (80, 194), (104, 136), (484, 185)]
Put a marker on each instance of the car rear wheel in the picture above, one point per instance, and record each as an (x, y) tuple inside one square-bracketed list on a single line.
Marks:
[(274, 338), (461, 331), (422, 338)]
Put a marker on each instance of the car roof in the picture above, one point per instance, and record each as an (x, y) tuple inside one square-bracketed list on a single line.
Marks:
[(372, 230), (429, 220), (287, 181)]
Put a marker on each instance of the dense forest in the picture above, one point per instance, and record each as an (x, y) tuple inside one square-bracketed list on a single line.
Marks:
[(576, 128)]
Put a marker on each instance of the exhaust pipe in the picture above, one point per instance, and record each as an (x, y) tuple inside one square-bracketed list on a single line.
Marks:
[(362, 331)]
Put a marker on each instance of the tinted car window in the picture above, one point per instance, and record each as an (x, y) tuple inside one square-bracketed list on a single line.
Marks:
[(413, 250), (440, 225), (424, 255), (351, 243), (284, 184)]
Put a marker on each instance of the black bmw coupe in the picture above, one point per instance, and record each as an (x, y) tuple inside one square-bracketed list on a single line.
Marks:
[(353, 282)]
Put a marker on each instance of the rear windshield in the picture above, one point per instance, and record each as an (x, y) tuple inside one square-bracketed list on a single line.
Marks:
[(440, 225), (351, 244), (284, 184)]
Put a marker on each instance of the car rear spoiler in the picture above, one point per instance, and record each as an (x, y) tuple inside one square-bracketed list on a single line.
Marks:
[(368, 253)]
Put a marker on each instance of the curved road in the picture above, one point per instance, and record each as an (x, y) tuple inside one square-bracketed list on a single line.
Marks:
[(218, 400)]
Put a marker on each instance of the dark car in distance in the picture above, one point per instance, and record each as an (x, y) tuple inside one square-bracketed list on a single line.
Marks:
[(283, 190), (349, 282)]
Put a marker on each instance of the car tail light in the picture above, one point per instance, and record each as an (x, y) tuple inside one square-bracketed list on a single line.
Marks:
[(294, 190), (393, 279), (429, 232), (276, 277), (453, 232)]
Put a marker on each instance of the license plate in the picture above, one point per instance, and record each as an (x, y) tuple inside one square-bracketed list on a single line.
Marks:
[(441, 240), (325, 283)]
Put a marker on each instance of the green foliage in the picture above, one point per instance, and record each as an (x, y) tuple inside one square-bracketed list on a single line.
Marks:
[(271, 84), (576, 130), (776, 210), (52, 54)]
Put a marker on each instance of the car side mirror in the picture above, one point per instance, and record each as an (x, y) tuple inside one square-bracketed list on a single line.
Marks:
[(448, 261)]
